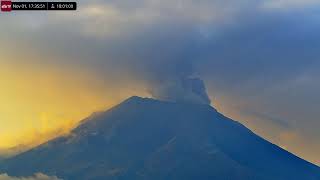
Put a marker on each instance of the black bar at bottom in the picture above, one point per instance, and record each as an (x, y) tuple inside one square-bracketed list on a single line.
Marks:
[(16, 6)]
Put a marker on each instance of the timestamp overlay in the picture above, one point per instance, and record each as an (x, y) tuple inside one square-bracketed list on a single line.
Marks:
[(7, 6)]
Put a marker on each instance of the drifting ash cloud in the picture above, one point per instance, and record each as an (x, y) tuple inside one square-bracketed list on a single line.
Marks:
[(37, 176)]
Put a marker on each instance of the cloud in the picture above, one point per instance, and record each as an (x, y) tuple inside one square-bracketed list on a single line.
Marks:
[(268, 117), (243, 50), (37, 176), (289, 4), (106, 18), (187, 90)]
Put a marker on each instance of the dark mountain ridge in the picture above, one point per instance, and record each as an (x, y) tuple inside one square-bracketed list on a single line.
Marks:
[(144, 138)]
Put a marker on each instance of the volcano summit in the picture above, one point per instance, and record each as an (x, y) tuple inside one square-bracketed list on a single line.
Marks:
[(143, 138)]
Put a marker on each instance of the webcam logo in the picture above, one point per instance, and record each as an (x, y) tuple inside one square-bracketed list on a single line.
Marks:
[(6, 5)]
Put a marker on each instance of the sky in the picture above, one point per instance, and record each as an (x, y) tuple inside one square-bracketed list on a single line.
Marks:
[(259, 60)]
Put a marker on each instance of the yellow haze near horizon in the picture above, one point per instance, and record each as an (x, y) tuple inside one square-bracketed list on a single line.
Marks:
[(39, 104)]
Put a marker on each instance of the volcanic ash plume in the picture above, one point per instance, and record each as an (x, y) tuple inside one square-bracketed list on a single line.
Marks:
[(186, 90)]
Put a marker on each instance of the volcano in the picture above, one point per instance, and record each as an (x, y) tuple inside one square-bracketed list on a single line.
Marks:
[(147, 139)]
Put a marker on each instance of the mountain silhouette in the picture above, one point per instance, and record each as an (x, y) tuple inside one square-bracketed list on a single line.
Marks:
[(147, 139)]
